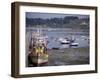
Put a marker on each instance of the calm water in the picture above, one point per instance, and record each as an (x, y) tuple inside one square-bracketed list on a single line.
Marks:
[(81, 37)]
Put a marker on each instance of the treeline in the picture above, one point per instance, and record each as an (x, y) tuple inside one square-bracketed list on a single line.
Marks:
[(53, 21)]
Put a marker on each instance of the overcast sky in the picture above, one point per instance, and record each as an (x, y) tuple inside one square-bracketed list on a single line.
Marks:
[(51, 15)]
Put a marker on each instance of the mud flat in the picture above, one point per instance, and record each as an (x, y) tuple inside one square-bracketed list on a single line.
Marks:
[(68, 56)]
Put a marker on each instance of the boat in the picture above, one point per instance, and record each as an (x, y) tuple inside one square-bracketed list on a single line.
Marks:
[(74, 44), (38, 49), (64, 41), (70, 42)]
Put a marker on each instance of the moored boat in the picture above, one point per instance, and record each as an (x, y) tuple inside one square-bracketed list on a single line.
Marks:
[(64, 41), (38, 49), (74, 44)]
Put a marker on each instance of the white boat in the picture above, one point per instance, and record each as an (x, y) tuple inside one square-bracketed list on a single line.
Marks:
[(71, 41), (74, 44), (64, 41)]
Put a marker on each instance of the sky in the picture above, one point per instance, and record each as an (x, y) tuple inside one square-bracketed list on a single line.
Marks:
[(51, 15)]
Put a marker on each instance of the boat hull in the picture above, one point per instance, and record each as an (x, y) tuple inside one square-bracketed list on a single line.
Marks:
[(39, 60)]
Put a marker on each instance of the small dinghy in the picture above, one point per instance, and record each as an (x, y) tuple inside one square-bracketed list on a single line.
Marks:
[(74, 44)]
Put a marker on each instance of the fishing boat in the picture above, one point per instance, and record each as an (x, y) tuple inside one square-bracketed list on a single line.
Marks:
[(38, 49)]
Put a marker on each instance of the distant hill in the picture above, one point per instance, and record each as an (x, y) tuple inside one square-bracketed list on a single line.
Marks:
[(66, 22)]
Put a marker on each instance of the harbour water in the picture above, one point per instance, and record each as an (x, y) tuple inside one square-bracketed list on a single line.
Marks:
[(81, 37)]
